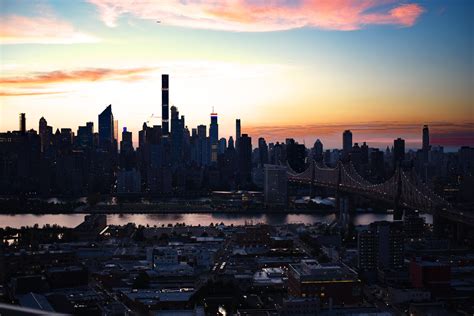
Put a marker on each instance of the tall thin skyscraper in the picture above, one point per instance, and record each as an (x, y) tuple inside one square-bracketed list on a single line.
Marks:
[(426, 138), (347, 142), (23, 123), (43, 133), (106, 128), (237, 130), (165, 105), (214, 136), (214, 128)]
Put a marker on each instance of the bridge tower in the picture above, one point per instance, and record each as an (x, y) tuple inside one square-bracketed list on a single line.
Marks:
[(338, 191), (312, 192), (397, 212)]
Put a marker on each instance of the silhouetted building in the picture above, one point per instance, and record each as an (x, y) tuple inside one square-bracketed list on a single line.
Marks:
[(213, 137), (237, 129), (222, 145), (106, 129), (377, 164), (318, 150), (164, 105), (413, 225), (262, 151), (128, 182), (177, 136), (331, 283), (426, 138), (347, 142), (296, 155), (364, 154), (126, 144), (398, 151), (381, 246), (275, 186), (245, 159), (45, 133), (22, 125), (85, 136), (430, 274)]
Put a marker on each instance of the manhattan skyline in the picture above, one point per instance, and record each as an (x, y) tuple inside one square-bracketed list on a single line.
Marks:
[(381, 70)]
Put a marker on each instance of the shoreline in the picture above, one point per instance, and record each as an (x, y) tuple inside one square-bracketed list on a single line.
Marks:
[(194, 211)]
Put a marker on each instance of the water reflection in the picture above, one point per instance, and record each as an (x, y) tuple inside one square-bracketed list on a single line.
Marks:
[(72, 220)]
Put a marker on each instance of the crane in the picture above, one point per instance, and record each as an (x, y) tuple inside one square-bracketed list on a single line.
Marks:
[(152, 116)]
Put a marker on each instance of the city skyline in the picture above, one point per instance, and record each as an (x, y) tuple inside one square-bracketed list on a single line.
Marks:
[(381, 69)]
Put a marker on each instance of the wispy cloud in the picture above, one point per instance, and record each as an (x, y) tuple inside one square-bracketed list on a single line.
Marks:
[(50, 83), (23, 94), (89, 74), (15, 29), (261, 16)]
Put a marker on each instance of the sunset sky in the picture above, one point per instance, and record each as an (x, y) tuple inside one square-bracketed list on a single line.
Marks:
[(302, 69)]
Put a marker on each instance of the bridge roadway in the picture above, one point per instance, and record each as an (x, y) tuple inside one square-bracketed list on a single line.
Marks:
[(404, 189)]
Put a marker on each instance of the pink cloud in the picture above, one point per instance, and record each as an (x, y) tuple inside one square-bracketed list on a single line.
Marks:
[(16, 29), (259, 16), (88, 74), (33, 84)]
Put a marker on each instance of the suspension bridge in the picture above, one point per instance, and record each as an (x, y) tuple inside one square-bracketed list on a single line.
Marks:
[(404, 189)]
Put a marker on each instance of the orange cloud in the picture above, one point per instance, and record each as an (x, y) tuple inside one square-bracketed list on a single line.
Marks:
[(22, 94), (258, 16), (92, 74), (16, 29)]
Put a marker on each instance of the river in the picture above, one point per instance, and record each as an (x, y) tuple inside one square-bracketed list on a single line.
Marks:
[(72, 220)]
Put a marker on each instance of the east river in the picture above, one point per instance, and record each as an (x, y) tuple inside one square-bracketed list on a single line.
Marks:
[(203, 219)]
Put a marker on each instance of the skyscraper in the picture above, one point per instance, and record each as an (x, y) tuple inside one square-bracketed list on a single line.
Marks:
[(222, 146), (213, 136), (381, 246), (164, 105), (364, 150), (426, 138), (318, 150), (296, 155), (245, 159), (214, 128), (237, 130), (377, 168), (347, 142), (43, 133), (262, 151), (275, 186), (85, 136), (398, 151), (23, 123), (126, 144), (177, 136), (106, 129), (115, 142), (203, 148)]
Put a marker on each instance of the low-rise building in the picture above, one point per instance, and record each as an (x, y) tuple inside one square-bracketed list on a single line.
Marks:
[(336, 284)]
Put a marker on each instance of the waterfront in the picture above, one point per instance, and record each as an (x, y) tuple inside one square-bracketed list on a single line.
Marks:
[(194, 219)]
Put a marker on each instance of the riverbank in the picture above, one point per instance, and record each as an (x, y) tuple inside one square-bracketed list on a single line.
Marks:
[(194, 219)]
